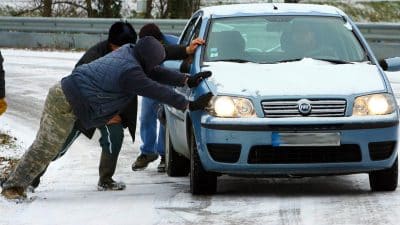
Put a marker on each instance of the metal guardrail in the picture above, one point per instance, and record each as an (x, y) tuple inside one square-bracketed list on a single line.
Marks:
[(372, 31), (377, 32), (81, 25), (58, 32)]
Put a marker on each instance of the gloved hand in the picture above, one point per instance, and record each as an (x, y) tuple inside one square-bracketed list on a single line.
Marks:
[(3, 105), (201, 102), (195, 80)]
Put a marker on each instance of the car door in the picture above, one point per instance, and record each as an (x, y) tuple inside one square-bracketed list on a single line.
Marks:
[(177, 123)]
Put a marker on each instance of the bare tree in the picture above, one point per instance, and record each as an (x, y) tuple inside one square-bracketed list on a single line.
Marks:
[(47, 8), (89, 8), (149, 8), (70, 8), (73, 8), (182, 8), (106, 8), (161, 8)]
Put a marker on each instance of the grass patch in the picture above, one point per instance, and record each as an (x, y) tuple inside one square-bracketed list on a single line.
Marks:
[(7, 141), (7, 164)]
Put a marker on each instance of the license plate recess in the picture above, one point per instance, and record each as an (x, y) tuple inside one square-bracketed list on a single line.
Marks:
[(305, 139)]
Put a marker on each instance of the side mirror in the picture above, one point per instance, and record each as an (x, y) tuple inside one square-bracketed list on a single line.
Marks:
[(390, 64)]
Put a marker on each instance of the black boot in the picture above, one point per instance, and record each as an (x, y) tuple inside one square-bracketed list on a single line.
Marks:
[(111, 141), (107, 167)]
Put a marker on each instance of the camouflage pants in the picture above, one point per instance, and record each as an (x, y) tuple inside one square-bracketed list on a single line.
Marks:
[(55, 126)]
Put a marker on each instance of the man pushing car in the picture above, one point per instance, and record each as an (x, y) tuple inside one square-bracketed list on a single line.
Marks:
[(93, 94)]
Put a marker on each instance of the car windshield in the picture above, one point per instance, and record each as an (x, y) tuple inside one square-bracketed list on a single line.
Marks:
[(275, 39)]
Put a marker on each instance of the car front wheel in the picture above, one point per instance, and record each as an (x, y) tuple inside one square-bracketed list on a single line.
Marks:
[(177, 165), (384, 180), (201, 181)]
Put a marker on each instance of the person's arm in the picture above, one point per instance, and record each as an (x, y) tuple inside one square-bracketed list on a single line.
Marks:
[(174, 78), (93, 53), (176, 52), (169, 77), (2, 81), (137, 82)]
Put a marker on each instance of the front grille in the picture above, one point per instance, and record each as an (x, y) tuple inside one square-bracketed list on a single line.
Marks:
[(267, 154), (227, 153), (289, 108), (381, 150)]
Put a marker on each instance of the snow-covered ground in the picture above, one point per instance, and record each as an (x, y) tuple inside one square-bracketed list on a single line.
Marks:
[(68, 192)]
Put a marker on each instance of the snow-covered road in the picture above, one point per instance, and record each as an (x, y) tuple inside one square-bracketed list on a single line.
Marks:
[(68, 193)]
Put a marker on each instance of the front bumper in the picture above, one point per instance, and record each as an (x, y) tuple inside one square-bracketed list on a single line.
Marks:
[(254, 138)]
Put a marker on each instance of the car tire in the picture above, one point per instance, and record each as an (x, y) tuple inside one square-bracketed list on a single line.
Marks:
[(177, 165), (384, 180), (201, 181)]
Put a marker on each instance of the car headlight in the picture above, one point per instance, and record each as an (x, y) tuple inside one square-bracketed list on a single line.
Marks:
[(226, 106), (375, 104)]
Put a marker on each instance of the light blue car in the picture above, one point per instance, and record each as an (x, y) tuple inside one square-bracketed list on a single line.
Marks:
[(297, 92)]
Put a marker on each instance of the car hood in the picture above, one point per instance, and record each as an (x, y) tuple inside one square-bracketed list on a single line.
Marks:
[(305, 77)]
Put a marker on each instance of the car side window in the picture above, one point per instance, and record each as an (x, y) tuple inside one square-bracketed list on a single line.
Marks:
[(190, 34), (191, 30)]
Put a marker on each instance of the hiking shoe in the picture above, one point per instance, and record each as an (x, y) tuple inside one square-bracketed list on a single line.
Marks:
[(143, 160), (161, 166), (14, 193), (111, 186)]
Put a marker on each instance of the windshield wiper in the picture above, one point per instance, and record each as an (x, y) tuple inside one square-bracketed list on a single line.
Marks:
[(336, 61), (233, 60), (287, 60)]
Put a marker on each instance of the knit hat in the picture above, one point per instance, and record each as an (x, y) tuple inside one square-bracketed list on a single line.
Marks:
[(150, 53)]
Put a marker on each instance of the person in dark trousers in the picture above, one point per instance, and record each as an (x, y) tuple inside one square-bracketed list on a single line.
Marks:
[(3, 103), (153, 139), (112, 133), (93, 94)]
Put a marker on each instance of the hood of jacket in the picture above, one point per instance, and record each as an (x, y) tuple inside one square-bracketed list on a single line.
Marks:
[(149, 52)]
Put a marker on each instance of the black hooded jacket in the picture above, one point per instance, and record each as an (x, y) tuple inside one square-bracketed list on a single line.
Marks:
[(101, 89), (129, 114)]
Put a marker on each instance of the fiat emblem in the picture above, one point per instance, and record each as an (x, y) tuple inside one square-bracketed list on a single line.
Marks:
[(304, 107)]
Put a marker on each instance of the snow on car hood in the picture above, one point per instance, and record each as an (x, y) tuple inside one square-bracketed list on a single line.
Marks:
[(305, 77)]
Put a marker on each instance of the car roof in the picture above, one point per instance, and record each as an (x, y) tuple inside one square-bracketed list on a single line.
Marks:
[(268, 8)]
